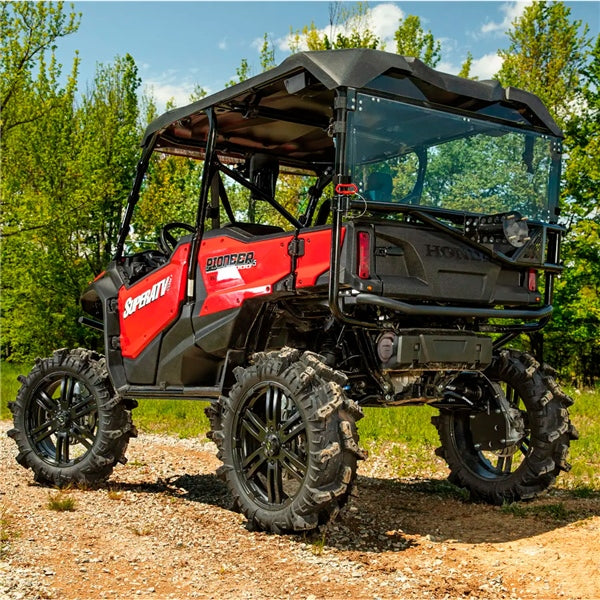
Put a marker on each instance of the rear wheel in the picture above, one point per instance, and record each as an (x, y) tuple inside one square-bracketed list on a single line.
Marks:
[(530, 462), (69, 425), (288, 441)]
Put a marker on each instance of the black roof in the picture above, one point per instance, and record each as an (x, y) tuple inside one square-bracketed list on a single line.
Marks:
[(287, 110)]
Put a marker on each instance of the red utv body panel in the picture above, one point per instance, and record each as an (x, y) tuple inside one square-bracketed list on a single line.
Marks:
[(232, 272), (152, 303)]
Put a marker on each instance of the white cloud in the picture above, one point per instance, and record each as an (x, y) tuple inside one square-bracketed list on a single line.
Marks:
[(382, 20), (486, 66), (449, 45), (447, 67), (258, 43), (512, 11), (164, 92), (223, 44)]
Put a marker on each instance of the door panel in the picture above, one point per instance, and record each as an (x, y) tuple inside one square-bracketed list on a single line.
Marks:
[(152, 303)]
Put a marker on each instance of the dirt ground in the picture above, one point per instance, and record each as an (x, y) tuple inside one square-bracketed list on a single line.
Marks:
[(163, 528)]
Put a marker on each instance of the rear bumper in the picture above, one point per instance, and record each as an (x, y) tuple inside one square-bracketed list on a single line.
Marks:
[(452, 311)]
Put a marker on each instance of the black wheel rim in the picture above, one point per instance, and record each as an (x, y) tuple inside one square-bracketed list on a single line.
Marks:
[(494, 464), (62, 419), (270, 452)]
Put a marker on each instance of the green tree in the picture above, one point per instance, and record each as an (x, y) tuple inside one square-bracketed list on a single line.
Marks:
[(37, 161), (29, 32), (108, 149), (66, 176), (412, 40), (171, 187), (582, 171), (546, 55), (465, 70), (242, 73), (573, 337), (549, 55), (578, 290), (267, 54), (348, 28)]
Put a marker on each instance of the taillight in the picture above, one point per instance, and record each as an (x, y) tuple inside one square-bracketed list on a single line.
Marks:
[(532, 280), (364, 255)]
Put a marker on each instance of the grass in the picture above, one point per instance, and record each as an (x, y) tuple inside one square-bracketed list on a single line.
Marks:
[(402, 436), (9, 386), (411, 424), (585, 452), (183, 418), (317, 541), (8, 532), (60, 502), (555, 511)]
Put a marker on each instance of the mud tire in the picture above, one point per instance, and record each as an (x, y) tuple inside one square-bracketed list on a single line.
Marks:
[(290, 412), (70, 426), (549, 431)]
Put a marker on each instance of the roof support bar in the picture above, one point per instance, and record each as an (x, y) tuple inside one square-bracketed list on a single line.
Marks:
[(207, 174), (134, 195)]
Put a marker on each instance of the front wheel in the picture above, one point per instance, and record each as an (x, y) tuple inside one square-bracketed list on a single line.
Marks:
[(499, 471), (288, 441), (69, 425)]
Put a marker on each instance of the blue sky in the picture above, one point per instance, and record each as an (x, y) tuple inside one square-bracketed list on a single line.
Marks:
[(177, 45)]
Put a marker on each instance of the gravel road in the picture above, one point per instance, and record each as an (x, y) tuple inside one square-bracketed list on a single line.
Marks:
[(163, 528)]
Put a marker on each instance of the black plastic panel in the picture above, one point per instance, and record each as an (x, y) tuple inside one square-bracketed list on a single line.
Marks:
[(417, 263)]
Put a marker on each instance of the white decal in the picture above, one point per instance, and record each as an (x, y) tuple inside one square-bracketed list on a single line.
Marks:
[(150, 295)]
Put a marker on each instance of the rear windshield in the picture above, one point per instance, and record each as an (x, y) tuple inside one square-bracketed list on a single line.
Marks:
[(400, 153)]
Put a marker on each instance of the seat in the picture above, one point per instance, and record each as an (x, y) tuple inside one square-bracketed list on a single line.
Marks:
[(379, 187), (323, 213), (255, 228)]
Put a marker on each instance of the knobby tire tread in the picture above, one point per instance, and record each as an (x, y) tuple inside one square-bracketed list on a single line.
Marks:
[(115, 426), (550, 429), (334, 451)]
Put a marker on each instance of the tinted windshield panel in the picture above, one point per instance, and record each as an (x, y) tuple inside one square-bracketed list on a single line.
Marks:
[(399, 153)]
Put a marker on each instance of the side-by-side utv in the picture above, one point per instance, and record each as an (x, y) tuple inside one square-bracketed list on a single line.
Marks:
[(368, 232)]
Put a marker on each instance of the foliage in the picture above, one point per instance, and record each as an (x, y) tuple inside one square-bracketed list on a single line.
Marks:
[(465, 70), (66, 173), (169, 194), (242, 73), (267, 54), (29, 33), (412, 40), (108, 149), (348, 28), (573, 338), (550, 55), (37, 176), (546, 55), (582, 172), (9, 385)]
